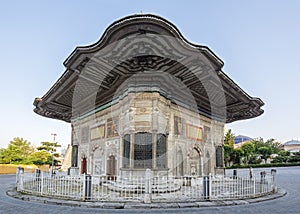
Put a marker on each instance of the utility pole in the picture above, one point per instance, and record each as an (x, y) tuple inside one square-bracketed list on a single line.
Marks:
[(54, 135)]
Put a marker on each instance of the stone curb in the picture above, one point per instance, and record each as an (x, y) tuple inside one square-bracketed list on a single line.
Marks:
[(136, 205)]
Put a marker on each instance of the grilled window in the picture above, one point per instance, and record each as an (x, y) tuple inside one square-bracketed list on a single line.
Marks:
[(161, 148), (126, 150), (143, 150)]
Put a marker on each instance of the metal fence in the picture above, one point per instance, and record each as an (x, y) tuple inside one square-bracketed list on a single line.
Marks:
[(147, 188)]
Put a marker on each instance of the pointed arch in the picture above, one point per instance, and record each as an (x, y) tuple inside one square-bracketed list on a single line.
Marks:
[(195, 161)]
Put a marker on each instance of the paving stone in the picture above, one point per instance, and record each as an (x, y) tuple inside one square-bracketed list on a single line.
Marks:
[(152, 205), (240, 202), (228, 203), (187, 205), (253, 200), (92, 204), (219, 203), (113, 205), (205, 203), (155, 205), (138, 206)]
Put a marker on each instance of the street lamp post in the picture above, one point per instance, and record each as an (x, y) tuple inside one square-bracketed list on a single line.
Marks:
[(52, 164)]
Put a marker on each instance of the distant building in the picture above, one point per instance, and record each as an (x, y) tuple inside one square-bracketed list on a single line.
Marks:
[(240, 140), (66, 163), (292, 146)]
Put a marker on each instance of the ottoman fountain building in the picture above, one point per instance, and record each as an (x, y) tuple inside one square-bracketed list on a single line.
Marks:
[(145, 97)]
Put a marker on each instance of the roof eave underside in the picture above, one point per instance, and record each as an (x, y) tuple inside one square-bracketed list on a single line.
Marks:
[(76, 57)]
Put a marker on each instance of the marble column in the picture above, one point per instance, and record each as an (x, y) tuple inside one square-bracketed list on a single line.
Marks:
[(131, 161), (154, 142)]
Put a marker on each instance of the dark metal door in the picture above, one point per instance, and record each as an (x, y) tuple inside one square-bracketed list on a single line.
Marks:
[(83, 166)]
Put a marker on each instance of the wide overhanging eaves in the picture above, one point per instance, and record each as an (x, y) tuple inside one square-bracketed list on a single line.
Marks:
[(95, 72)]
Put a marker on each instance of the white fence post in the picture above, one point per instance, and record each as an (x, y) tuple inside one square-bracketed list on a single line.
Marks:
[(210, 186), (84, 188), (207, 187), (42, 182), (254, 186), (19, 178), (273, 174), (148, 187)]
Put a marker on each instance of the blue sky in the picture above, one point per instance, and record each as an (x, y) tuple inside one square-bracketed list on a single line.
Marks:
[(258, 40)]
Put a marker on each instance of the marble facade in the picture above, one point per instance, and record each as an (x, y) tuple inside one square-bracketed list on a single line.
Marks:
[(187, 141)]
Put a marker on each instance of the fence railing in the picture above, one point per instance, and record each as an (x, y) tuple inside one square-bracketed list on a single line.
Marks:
[(147, 189)]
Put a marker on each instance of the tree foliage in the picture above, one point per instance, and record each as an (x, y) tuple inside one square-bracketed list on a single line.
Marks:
[(48, 146), (229, 138), (228, 147), (282, 157), (253, 152), (228, 154), (2, 155), (295, 157), (41, 158), (51, 148), (248, 149), (265, 152), (20, 151), (238, 155)]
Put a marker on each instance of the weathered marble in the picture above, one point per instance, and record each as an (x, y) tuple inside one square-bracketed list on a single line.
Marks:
[(190, 141)]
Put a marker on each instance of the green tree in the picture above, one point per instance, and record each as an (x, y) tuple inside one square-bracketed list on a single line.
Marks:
[(50, 147), (283, 157), (18, 151), (248, 149), (265, 152), (237, 154), (254, 159), (229, 138), (270, 143), (228, 154), (258, 143), (265, 149), (274, 145), (228, 147), (41, 158), (284, 153), (2, 156), (295, 157)]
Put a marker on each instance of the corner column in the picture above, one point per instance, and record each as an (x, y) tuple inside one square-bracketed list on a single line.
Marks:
[(131, 161), (155, 127), (154, 140)]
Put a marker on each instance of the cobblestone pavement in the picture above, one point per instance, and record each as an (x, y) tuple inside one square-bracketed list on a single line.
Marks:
[(287, 178)]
